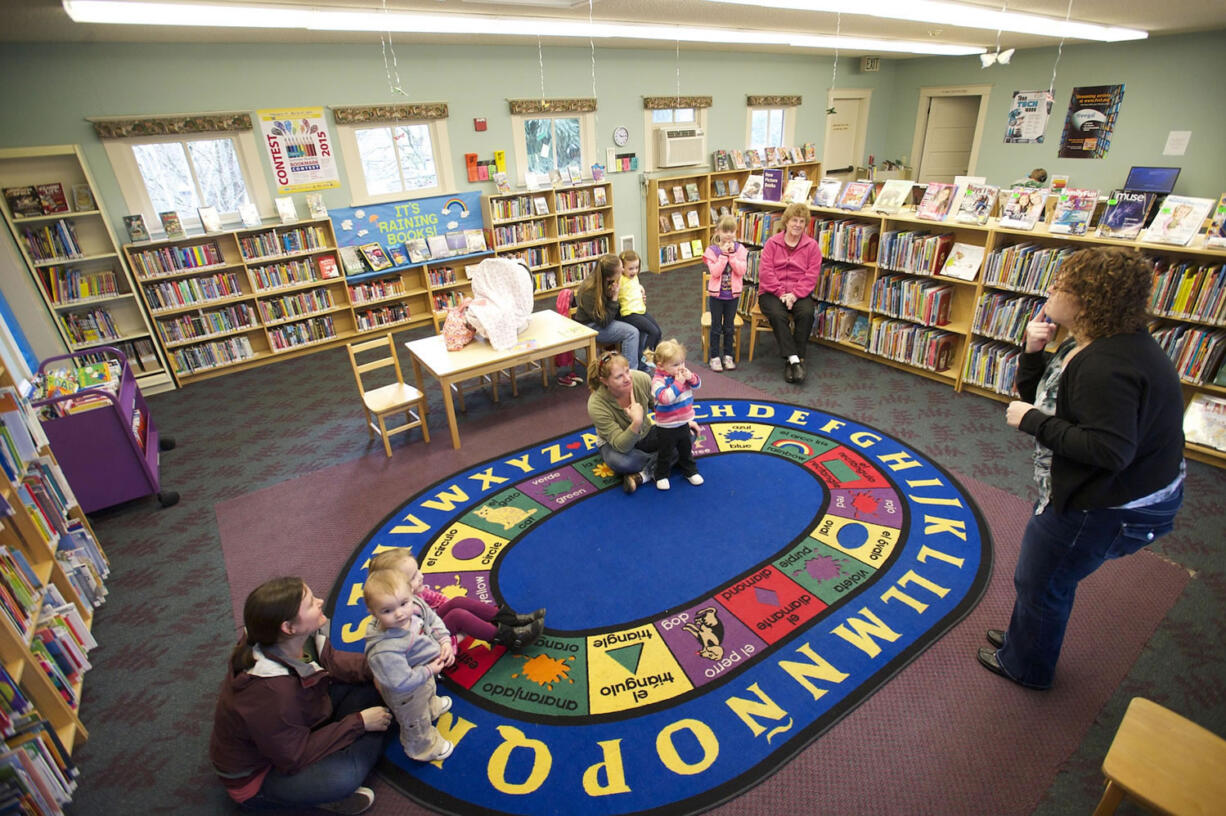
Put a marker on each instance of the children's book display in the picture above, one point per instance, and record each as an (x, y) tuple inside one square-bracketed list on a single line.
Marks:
[(210, 219), (315, 206), (286, 210), (1216, 236), (249, 214), (753, 188), (938, 198), (1074, 209), (827, 193), (1125, 214), (964, 261), (855, 195), (1179, 218), (1204, 423), (976, 204), (23, 202), (772, 183), (797, 191), (1022, 207), (893, 197), (172, 225), (135, 225)]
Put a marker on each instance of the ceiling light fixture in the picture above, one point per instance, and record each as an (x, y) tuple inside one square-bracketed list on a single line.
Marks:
[(322, 18), (958, 14)]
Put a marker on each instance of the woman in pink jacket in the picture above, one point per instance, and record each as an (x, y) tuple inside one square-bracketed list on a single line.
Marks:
[(791, 261)]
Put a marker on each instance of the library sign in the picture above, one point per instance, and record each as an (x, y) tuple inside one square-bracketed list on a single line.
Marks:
[(687, 653), (299, 148)]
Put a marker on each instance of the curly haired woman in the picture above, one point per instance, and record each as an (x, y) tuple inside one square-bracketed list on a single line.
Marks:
[(1106, 411)]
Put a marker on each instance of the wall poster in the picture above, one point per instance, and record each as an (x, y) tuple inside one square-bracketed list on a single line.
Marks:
[(1028, 117), (1092, 111), (299, 149)]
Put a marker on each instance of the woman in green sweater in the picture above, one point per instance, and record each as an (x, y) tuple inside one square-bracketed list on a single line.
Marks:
[(618, 407)]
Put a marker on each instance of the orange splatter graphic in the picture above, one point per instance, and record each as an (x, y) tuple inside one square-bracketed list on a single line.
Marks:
[(374, 217), (545, 670)]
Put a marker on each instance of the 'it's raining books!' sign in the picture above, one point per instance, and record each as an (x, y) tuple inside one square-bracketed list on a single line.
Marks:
[(300, 149)]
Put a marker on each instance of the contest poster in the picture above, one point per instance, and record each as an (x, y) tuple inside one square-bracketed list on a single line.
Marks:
[(1092, 111), (1028, 117), (299, 149)]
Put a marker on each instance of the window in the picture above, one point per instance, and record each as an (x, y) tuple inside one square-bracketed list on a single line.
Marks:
[(544, 143), (396, 161), (767, 127), (158, 174), (672, 116)]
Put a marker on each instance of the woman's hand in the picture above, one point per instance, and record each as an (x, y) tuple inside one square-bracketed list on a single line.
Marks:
[(1039, 332), (1016, 410), (376, 718), (634, 411), (789, 300)]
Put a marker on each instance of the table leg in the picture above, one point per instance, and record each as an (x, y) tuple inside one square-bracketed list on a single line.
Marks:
[(449, 407)]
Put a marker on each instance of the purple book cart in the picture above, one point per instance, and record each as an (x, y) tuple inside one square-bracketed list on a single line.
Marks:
[(99, 450)]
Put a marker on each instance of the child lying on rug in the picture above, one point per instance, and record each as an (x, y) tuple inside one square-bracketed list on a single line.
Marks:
[(463, 615), (406, 646)]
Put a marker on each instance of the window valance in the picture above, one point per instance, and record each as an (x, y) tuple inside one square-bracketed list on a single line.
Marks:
[(671, 102), (119, 127), (530, 106), (775, 101), (410, 112)]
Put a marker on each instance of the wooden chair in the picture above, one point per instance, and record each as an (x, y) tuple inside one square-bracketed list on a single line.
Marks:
[(1168, 763), (705, 326), (385, 400), (757, 323)]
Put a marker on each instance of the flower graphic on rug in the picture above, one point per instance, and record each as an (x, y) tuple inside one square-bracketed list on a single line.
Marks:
[(604, 471)]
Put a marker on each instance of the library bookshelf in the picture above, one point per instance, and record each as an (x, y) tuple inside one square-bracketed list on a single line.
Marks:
[(558, 233), (48, 528), (969, 334), (74, 261), (684, 208)]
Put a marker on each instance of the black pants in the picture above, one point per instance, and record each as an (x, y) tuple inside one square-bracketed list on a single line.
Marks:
[(791, 328), (649, 330), (676, 447)]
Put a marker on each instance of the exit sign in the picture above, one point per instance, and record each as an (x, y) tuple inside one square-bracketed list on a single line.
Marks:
[(870, 64)]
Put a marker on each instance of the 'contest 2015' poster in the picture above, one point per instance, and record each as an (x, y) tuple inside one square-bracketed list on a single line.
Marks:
[(299, 149), (1092, 112)]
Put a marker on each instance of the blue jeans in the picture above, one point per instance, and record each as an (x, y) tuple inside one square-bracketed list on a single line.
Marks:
[(639, 458), (723, 325), (625, 336), (338, 774), (1058, 550)]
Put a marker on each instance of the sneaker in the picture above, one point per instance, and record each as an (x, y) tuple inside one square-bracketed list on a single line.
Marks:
[(631, 482), (715, 364), (442, 752), (729, 363), (662, 484), (357, 802), (439, 706), (695, 479), (569, 380)]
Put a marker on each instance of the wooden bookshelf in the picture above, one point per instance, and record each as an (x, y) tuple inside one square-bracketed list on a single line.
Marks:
[(89, 293), (708, 194), (559, 233), (1011, 282)]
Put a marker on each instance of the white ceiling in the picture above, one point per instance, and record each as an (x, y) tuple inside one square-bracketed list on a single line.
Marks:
[(46, 21)]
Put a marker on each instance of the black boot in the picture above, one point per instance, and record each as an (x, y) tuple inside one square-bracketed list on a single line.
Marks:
[(506, 615), (517, 637)]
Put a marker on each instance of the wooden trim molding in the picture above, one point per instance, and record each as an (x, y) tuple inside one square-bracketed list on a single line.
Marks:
[(119, 127), (530, 106), (773, 101), (670, 102), (410, 112)]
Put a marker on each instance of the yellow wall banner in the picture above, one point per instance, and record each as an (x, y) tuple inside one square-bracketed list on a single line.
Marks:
[(299, 149)]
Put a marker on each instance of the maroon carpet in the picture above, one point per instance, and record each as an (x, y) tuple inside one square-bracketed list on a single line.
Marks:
[(944, 736)]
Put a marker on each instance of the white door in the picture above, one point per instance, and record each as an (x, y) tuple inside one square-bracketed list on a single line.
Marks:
[(948, 137), (844, 138)]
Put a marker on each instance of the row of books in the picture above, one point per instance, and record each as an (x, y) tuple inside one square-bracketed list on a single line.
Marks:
[(550, 280), (919, 346), (139, 351), (276, 242), (727, 187), (193, 291), (289, 273), (849, 241), (769, 157), (922, 301), (21, 592), (580, 224), (1189, 290), (533, 257), (33, 200), (288, 307), (201, 357), (841, 325), (682, 194), (92, 326), (683, 251), (841, 284), (441, 276), (171, 260), (520, 233), (447, 300), (1024, 267), (992, 364), (301, 333), (52, 242), (65, 284), (581, 199), (380, 289), (1197, 352), (1003, 316), (578, 250), (919, 253), (388, 315), (37, 775)]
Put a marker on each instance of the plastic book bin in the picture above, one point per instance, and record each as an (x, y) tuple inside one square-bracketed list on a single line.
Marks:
[(98, 449)]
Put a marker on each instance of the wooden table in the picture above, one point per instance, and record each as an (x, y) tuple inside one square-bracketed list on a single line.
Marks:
[(548, 333)]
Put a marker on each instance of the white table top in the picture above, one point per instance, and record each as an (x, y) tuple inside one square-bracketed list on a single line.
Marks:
[(548, 333)]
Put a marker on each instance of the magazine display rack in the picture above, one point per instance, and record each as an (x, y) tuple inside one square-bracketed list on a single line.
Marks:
[(109, 451), (976, 328)]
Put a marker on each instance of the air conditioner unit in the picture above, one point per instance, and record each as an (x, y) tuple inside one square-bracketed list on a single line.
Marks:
[(680, 146)]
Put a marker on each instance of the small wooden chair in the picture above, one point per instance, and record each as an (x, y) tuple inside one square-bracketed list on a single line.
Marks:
[(1168, 763), (757, 323), (384, 400), (704, 324)]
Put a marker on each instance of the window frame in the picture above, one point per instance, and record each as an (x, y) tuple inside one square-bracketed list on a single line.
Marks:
[(587, 140), (650, 127), (355, 176), (136, 196), (788, 139)]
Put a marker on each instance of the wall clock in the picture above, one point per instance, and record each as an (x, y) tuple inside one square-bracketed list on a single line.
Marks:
[(620, 136)]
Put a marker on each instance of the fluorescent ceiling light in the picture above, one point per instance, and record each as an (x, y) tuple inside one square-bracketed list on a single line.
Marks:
[(320, 18), (957, 14)]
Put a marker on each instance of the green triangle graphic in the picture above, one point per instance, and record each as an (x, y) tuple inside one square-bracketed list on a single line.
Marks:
[(627, 657)]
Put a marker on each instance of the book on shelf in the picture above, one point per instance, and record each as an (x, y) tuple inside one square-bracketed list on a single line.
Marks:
[(172, 225), (772, 183), (502, 182), (753, 188), (397, 255), (894, 195), (1073, 211), (855, 195), (696, 248), (720, 160), (135, 225), (664, 225), (1125, 214), (770, 156), (721, 187), (678, 194), (797, 191), (51, 198), (678, 220), (938, 197), (1216, 236), (738, 160), (975, 205), (375, 256), (687, 251), (210, 219), (810, 151), (1022, 207), (456, 243), (1204, 422), (859, 330), (438, 246), (540, 205), (691, 218), (23, 201), (417, 249), (286, 210), (963, 262), (691, 191), (326, 265), (662, 196), (753, 158), (600, 197), (555, 177), (734, 186), (1179, 218), (249, 214), (574, 174), (827, 192), (83, 198), (351, 259), (315, 206), (597, 172), (474, 240)]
